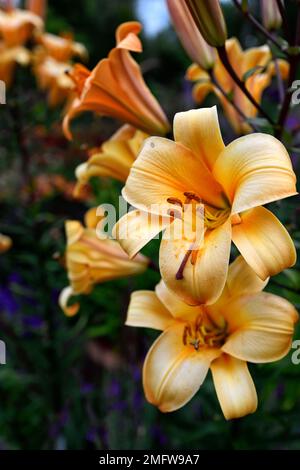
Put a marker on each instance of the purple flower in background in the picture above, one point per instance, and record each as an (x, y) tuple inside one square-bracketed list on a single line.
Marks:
[(86, 388), (8, 303)]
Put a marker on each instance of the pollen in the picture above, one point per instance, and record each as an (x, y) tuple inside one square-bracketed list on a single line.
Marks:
[(204, 333)]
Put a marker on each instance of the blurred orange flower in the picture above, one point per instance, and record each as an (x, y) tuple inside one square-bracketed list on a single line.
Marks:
[(5, 243), (61, 48), (17, 26), (257, 62), (114, 159), (9, 58), (92, 259)]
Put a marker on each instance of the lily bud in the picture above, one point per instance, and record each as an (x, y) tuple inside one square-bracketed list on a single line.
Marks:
[(209, 18), (270, 14), (189, 35), (37, 6)]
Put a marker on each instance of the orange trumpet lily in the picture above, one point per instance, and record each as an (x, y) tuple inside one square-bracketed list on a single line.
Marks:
[(114, 159), (245, 325), (224, 188), (91, 259), (117, 89)]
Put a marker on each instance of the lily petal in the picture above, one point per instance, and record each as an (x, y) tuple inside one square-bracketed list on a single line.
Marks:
[(255, 170), (203, 281), (172, 372), (199, 131), (234, 386), (64, 297), (135, 229), (167, 169), (146, 310), (264, 242), (174, 304), (242, 279), (261, 326)]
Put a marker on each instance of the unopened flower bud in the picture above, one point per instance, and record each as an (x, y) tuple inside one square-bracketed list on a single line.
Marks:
[(209, 18), (190, 37), (270, 14)]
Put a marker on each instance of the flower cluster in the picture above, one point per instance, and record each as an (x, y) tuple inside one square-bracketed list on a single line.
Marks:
[(205, 196), (213, 314)]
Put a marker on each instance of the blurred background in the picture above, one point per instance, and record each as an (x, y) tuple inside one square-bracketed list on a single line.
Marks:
[(75, 383)]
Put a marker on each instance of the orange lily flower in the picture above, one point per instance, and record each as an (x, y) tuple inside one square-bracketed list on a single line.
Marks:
[(17, 26), (51, 76), (9, 58), (5, 243), (114, 159), (117, 89), (229, 184), (91, 260), (258, 60), (62, 48), (245, 325)]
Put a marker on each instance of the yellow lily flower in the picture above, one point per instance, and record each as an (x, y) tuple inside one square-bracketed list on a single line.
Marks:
[(229, 184), (9, 58), (51, 76), (114, 159), (194, 44), (245, 325), (92, 258), (117, 89), (5, 243), (61, 48), (257, 59), (17, 26)]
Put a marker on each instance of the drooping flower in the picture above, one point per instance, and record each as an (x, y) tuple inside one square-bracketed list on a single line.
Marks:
[(117, 89), (92, 259), (5, 243), (17, 26), (257, 62), (222, 186), (194, 44), (270, 14), (245, 325), (114, 159), (61, 48), (209, 18), (9, 58)]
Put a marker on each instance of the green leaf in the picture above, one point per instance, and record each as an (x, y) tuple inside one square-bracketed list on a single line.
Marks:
[(252, 71)]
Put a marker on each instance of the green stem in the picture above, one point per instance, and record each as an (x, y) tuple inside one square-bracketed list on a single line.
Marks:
[(258, 26), (234, 105), (293, 62)]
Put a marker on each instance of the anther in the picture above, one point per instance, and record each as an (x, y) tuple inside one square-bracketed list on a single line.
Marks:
[(192, 196), (175, 201)]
